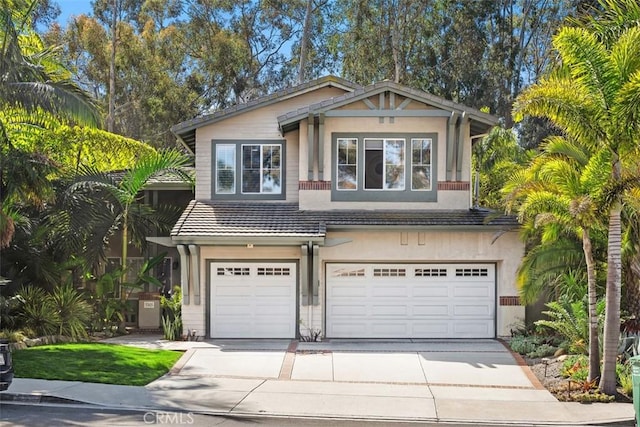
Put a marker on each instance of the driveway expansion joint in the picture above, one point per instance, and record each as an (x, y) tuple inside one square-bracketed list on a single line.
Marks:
[(287, 362)]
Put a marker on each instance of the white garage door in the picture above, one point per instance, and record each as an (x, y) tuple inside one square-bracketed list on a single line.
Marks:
[(410, 300), (253, 300)]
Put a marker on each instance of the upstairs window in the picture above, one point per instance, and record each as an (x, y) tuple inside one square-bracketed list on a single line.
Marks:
[(261, 172), (384, 164), (248, 170), (384, 167), (421, 164), (347, 164)]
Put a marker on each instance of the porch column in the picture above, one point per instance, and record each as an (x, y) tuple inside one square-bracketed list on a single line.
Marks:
[(184, 272), (195, 272)]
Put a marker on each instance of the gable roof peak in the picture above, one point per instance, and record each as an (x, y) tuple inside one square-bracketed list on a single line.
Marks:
[(185, 131)]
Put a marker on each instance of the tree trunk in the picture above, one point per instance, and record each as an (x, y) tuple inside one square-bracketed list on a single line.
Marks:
[(304, 43), (112, 69), (594, 347), (612, 310)]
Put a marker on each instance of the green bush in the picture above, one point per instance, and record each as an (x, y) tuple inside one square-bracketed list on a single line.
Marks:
[(570, 320), (623, 372), (73, 310), (36, 311), (576, 368), (533, 346), (172, 316)]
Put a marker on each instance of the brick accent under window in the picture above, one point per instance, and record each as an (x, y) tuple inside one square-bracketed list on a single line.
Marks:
[(454, 185), (314, 185), (510, 301)]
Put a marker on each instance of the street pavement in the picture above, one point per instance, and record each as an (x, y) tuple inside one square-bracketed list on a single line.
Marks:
[(474, 381)]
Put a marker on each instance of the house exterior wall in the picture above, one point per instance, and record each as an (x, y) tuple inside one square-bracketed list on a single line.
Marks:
[(446, 246), (383, 247), (261, 123), (195, 316)]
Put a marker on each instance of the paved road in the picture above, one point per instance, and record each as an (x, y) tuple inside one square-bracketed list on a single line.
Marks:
[(53, 416)]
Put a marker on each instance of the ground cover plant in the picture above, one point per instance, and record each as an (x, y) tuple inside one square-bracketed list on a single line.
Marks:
[(94, 362)]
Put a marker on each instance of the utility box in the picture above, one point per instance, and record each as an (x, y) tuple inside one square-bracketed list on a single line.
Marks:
[(149, 311)]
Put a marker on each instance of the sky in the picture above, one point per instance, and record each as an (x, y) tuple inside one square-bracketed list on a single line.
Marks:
[(69, 8)]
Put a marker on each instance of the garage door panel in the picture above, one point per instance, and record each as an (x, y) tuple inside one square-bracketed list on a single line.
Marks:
[(349, 291), (390, 329), (410, 301), (470, 291), (233, 291), (253, 300), (390, 310), (276, 290), (433, 329), (440, 290), (389, 291), (233, 310), (348, 310), (477, 310), (431, 310), (472, 329)]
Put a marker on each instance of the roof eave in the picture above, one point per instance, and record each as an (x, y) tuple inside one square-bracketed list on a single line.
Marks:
[(250, 241)]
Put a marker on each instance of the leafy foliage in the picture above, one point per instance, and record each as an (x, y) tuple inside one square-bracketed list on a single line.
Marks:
[(73, 311), (172, 314), (570, 320)]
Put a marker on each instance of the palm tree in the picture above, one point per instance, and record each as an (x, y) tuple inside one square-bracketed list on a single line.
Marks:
[(34, 88), (595, 99), (111, 205), (554, 193)]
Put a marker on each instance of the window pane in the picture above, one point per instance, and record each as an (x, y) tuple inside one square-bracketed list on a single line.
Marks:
[(251, 176), (347, 164), (261, 169), (225, 169), (271, 169), (421, 164), (394, 164)]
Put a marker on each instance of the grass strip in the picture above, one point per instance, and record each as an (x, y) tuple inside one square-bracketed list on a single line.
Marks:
[(94, 363)]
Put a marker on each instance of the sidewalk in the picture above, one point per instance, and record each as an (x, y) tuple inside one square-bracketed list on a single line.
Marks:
[(377, 381)]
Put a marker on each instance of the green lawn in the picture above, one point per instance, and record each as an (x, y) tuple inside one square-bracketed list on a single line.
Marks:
[(95, 363)]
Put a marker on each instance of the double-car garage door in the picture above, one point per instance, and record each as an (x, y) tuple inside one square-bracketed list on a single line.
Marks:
[(258, 300), (410, 300)]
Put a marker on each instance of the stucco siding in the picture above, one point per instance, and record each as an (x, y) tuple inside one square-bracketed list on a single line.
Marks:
[(261, 123), (193, 318), (438, 247), (321, 200)]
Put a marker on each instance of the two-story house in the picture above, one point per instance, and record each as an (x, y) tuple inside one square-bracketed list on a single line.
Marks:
[(343, 209)]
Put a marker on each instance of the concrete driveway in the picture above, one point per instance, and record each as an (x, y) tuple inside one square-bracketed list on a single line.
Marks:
[(465, 381), (485, 363)]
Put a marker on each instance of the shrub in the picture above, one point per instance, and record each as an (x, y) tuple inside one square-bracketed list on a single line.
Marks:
[(37, 311), (172, 314), (576, 368), (623, 372), (570, 320), (73, 311), (533, 346)]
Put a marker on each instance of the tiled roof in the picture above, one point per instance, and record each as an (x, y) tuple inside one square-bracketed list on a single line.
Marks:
[(238, 219), (246, 219)]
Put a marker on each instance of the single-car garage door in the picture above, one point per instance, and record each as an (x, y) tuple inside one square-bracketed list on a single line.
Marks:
[(410, 300), (253, 300)]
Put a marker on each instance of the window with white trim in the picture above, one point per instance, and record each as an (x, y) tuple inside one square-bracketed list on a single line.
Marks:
[(248, 169), (384, 167), (421, 164)]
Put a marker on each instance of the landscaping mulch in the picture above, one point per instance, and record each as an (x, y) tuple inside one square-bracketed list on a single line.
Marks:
[(548, 371)]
